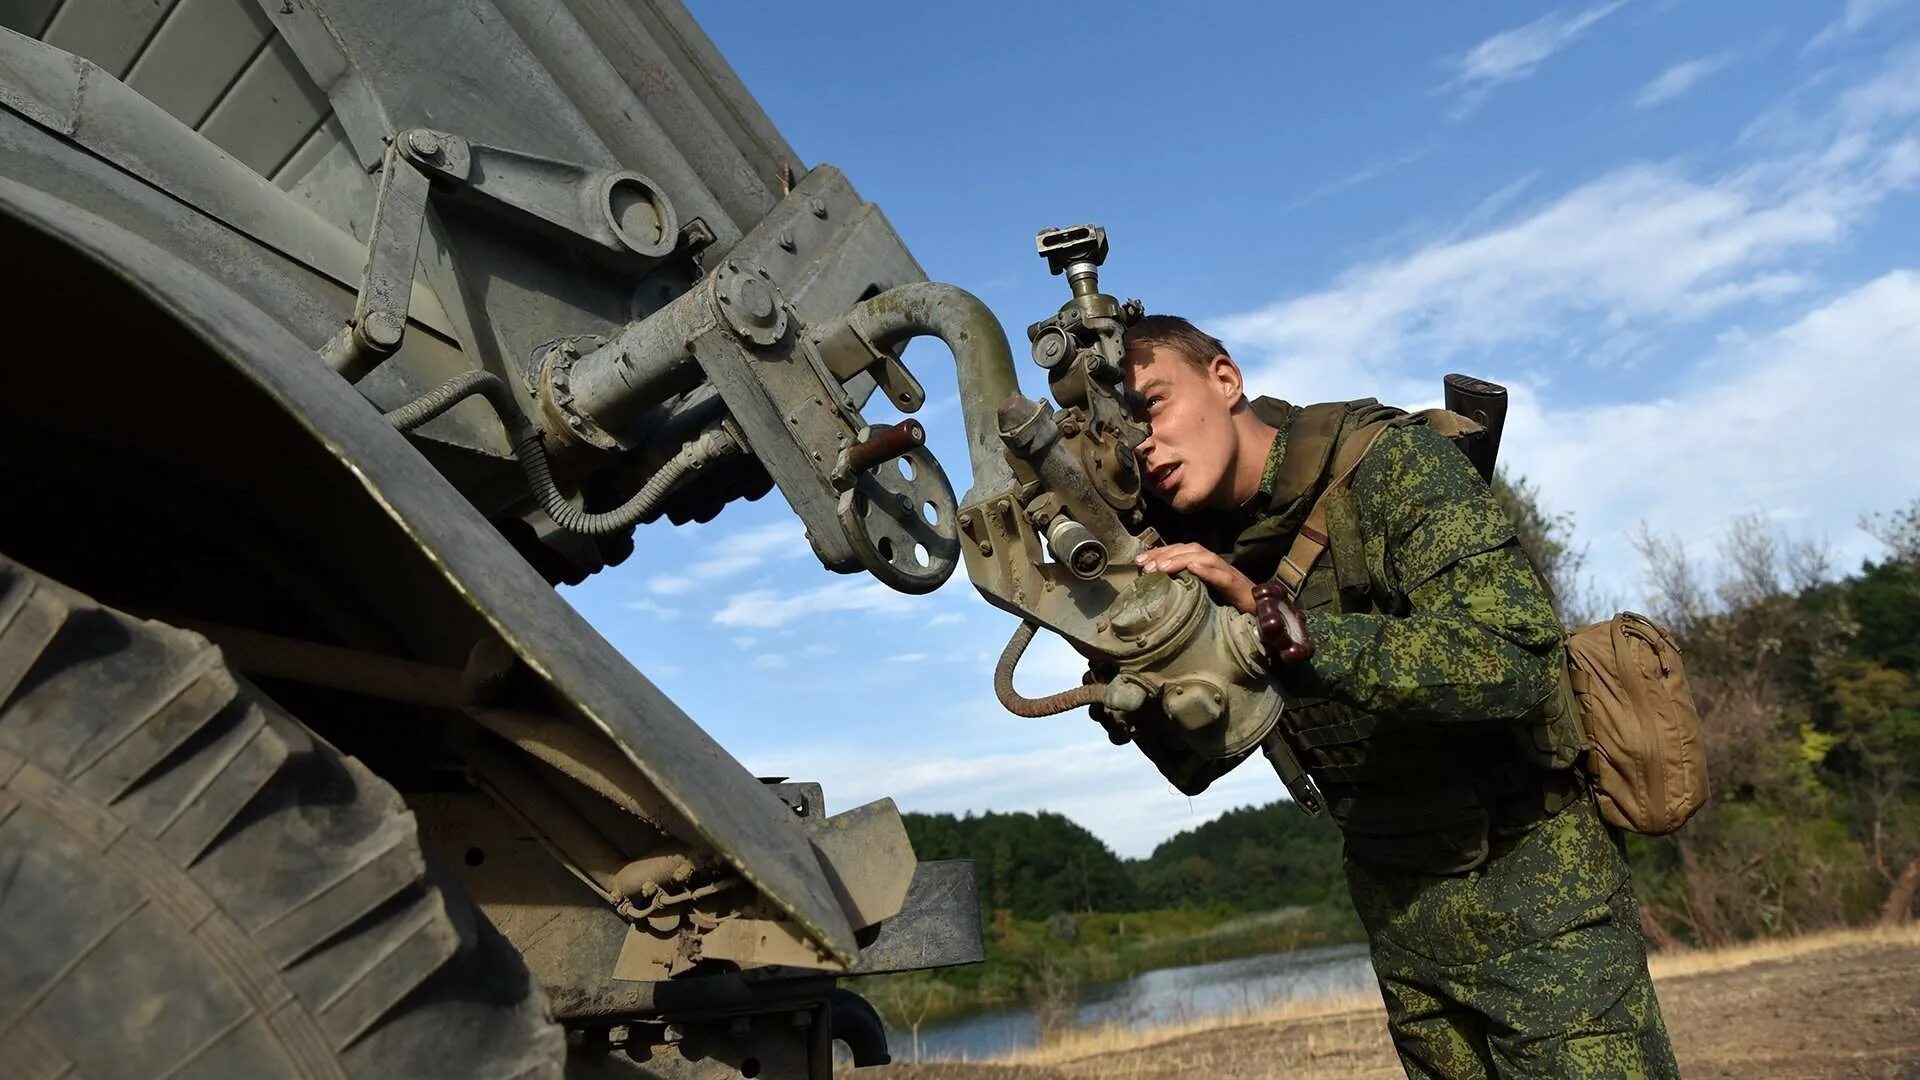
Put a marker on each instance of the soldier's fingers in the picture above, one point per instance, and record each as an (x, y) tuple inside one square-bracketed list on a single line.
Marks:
[(1158, 559), (1204, 564)]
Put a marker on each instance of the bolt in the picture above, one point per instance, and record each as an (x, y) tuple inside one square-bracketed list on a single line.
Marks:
[(424, 143), (818, 207), (986, 547), (758, 300), (382, 329), (786, 241)]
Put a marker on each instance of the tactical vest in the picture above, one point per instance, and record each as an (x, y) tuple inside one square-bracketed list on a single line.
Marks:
[(1408, 794)]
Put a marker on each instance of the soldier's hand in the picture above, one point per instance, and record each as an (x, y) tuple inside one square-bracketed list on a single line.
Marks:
[(1231, 586)]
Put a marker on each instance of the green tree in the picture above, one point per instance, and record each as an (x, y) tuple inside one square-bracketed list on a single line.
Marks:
[(1032, 865)]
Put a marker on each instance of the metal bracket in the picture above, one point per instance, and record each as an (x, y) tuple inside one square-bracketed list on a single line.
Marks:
[(624, 217)]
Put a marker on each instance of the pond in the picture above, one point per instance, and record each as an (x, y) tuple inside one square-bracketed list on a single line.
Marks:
[(1156, 998)]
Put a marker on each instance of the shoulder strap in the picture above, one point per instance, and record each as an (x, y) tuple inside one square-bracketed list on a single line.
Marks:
[(1311, 541), (1310, 442), (1450, 424)]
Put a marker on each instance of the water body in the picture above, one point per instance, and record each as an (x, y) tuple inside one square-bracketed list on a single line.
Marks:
[(1156, 998)]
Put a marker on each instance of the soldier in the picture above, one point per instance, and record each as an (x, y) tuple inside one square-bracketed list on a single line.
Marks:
[(1433, 715)]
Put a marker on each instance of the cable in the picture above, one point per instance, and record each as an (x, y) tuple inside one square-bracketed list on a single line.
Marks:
[(530, 449), (1066, 700)]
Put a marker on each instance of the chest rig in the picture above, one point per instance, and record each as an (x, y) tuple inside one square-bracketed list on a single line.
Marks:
[(1407, 794)]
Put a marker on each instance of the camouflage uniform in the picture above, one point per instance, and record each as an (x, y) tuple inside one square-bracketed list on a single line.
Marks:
[(1435, 720)]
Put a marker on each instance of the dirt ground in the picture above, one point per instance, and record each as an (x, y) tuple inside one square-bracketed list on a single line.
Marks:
[(1852, 1010)]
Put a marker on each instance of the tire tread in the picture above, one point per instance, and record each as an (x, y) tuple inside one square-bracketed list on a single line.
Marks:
[(290, 870)]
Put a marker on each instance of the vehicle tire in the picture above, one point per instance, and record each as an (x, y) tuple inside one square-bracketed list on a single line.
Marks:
[(194, 884)]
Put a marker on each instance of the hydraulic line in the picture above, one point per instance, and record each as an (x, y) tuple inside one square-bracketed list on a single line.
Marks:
[(531, 451), (1078, 697)]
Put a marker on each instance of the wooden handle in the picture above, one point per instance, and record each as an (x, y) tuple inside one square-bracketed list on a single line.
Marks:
[(1281, 625)]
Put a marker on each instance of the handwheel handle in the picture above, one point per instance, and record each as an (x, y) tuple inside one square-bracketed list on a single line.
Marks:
[(1282, 627)]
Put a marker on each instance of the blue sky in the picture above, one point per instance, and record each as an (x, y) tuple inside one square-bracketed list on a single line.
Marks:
[(1682, 233)]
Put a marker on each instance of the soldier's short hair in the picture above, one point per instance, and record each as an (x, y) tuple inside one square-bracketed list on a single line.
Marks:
[(1178, 334)]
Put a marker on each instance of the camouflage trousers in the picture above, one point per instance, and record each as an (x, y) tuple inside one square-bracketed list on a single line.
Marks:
[(1531, 966)]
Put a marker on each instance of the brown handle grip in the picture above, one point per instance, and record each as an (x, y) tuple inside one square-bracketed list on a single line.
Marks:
[(889, 441), (1281, 625)]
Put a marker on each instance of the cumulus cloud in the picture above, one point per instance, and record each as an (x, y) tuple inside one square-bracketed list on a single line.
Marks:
[(766, 609), (1791, 423), (1855, 16), (1512, 55), (645, 606), (1677, 80), (736, 554), (1111, 790), (1637, 249)]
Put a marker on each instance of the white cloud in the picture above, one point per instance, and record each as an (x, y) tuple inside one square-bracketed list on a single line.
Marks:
[(1796, 424), (671, 584), (731, 556), (907, 658), (771, 661), (1512, 55), (1365, 174), (766, 609), (947, 618), (1632, 251), (651, 607), (1855, 16), (1111, 790), (1679, 79)]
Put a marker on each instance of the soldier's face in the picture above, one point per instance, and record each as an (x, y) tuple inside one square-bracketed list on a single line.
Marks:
[(1188, 409)]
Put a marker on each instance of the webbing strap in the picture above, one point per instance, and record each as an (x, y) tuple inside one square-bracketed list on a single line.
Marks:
[(1311, 541)]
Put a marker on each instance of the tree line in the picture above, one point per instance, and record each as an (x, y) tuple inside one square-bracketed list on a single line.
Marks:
[(1037, 865)]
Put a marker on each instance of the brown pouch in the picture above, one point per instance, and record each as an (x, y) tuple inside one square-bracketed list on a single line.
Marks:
[(1645, 757)]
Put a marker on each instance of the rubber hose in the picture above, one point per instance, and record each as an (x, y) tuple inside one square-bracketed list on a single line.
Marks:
[(1066, 700), (855, 1023), (531, 451)]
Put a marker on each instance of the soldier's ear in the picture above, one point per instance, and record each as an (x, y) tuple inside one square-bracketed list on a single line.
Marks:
[(1224, 376)]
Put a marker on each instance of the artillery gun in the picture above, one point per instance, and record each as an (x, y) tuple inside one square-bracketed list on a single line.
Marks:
[(339, 332)]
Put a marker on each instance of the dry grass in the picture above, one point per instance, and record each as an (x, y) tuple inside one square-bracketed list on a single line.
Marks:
[(1109, 1039), (1115, 1038), (1670, 965)]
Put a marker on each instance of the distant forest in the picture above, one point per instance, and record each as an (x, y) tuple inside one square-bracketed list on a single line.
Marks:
[(1808, 682), (1038, 865)]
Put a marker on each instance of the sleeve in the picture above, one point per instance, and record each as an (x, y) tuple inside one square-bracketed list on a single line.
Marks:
[(1473, 635)]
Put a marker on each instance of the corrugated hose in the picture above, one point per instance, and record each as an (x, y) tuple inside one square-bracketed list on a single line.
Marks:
[(1066, 700), (531, 451)]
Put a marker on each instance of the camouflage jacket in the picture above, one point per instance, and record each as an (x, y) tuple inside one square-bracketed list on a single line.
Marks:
[(1436, 688)]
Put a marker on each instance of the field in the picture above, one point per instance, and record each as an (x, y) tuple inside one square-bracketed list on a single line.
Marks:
[(1833, 1005)]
